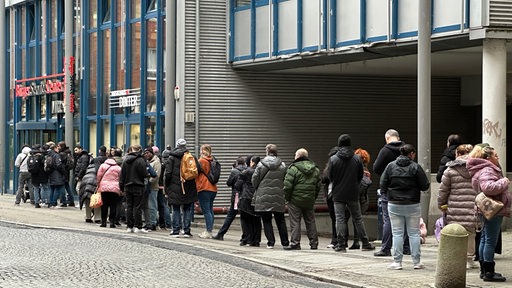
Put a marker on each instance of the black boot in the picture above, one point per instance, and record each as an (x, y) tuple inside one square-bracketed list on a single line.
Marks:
[(490, 275), (482, 269)]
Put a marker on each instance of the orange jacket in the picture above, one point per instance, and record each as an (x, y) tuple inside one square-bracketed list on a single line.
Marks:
[(202, 182)]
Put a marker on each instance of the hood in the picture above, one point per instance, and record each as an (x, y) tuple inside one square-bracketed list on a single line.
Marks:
[(403, 161), (25, 150), (119, 160), (111, 162), (306, 166), (178, 152), (450, 151), (345, 153), (474, 165), (394, 147), (130, 157), (459, 164), (272, 162)]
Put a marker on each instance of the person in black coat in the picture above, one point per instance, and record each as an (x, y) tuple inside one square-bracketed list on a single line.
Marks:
[(181, 196), (131, 182), (56, 171), (452, 142), (39, 177), (249, 219)]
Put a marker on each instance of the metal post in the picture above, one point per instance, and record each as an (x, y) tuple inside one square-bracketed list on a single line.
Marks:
[(170, 74), (424, 96), (68, 50), (3, 122), (494, 93)]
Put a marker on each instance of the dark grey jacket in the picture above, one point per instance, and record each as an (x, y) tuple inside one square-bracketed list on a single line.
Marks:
[(268, 180), (345, 172)]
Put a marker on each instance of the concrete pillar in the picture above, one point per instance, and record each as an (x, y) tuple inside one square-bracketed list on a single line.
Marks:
[(451, 258), (494, 96), (68, 51), (4, 151)]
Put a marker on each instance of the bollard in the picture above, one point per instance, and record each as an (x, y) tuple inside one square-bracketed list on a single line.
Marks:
[(451, 257)]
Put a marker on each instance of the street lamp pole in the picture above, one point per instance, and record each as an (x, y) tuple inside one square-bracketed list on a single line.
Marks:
[(69, 68)]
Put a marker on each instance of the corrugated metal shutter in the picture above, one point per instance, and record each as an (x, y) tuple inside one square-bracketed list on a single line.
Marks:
[(241, 111), (500, 13)]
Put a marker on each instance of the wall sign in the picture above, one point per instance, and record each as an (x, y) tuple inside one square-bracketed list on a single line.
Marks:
[(125, 98)]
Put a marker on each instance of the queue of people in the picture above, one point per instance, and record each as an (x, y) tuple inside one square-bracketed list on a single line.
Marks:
[(142, 183)]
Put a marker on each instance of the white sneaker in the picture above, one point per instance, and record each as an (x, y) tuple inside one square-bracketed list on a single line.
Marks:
[(330, 246), (129, 230), (418, 265), (206, 235), (141, 230), (471, 265), (396, 266), (270, 247)]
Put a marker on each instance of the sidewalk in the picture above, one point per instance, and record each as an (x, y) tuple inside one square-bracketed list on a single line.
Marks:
[(354, 268)]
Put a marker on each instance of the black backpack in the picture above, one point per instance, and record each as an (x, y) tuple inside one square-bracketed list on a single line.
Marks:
[(48, 164), (214, 173), (35, 164)]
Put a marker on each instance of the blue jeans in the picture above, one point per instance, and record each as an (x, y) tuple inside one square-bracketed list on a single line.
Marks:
[(489, 238), (69, 200), (41, 192), (55, 192), (341, 222), (152, 207), (164, 215), (178, 222), (206, 202), (405, 217)]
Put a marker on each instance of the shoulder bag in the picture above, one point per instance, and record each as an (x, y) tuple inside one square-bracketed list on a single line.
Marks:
[(487, 206)]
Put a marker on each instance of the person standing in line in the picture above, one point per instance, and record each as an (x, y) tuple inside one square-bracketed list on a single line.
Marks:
[(108, 185), (457, 198), (154, 162), (24, 177), (164, 214), (67, 199), (87, 187), (131, 182), (345, 172), (237, 169), (181, 195), (82, 159), (249, 219), (388, 153), (363, 193), (453, 141), (206, 191), (301, 188), (402, 182), (39, 177), (56, 174), (487, 177), (327, 187), (268, 181)]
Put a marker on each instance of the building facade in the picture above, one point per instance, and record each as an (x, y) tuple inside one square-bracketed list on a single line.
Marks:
[(297, 73)]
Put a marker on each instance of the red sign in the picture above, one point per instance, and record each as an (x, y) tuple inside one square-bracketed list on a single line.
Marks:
[(39, 86)]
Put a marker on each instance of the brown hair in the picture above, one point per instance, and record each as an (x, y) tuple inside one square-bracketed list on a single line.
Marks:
[(206, 150), (464, 149)]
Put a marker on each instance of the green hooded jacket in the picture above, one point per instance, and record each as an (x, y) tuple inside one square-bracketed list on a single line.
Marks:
[(302, 183)]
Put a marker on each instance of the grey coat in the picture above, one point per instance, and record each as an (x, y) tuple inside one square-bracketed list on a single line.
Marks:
[(457, 192), (268, 180)]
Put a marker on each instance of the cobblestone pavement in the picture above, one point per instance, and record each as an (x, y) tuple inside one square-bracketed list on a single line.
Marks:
[(354, 268), (34, 257)]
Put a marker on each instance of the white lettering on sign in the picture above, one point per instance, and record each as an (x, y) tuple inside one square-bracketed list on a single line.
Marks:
[(118, 92), (128, 101)]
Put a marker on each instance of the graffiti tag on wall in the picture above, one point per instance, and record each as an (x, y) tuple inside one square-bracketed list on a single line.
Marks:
[(491, 129)]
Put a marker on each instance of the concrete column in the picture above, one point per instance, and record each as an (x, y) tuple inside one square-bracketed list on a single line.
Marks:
[(451, 258), (170, 73), (4, 151), (68, 50), (494, 96), (424, 97)]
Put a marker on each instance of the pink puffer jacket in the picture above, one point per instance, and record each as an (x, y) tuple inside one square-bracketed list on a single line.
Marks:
[(109, 178)]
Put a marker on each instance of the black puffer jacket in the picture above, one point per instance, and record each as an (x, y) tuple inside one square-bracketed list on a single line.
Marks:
[(82, 161), (172, 183), (133, 173), (233, 177), (244, 184), (345, 173), (448, 155), (88, 183), (403, 180)]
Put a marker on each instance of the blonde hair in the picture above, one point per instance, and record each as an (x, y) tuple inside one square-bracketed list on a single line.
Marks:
[(478, 150), (206, 150), (301, 153), (464, 149)]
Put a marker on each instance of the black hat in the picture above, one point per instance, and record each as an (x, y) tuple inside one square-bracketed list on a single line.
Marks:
[(149, 149), (344, 140)]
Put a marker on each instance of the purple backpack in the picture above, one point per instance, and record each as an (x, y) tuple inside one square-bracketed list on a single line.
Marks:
[(438, 227)]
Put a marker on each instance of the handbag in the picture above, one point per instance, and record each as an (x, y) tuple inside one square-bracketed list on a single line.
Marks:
[(96, 200), (487, 206)]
